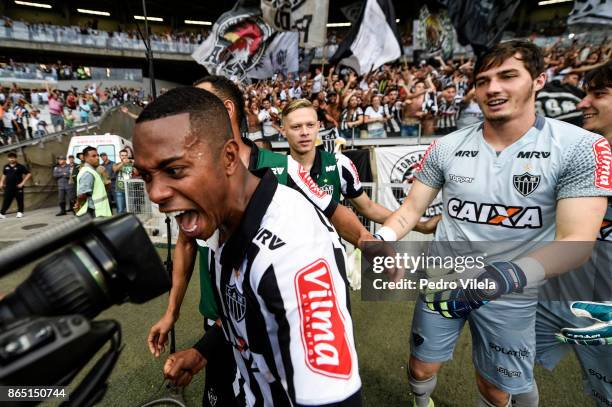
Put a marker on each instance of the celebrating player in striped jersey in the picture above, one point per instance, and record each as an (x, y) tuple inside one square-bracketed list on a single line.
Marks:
[(278, 272)]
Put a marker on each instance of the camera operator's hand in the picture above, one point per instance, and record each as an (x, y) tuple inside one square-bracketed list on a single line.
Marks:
[(180, 367), (158, 334)]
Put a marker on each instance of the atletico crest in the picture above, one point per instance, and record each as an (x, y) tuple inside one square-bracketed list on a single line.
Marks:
[(526, 183), (236, 302)]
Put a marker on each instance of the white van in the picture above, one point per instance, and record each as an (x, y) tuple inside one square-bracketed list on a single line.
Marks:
[(105, 143)]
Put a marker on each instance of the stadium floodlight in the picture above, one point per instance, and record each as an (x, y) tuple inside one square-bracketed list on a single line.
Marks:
[(548, 2), (31, 4), (397, 20), (338, 24), (149, 18), (198, 22), (94, 12)]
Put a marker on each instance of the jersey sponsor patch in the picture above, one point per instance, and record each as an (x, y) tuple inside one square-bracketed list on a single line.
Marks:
[(603, 164), (419, 166), (515, 217), (326, 346), (310, 183), (355, 172)]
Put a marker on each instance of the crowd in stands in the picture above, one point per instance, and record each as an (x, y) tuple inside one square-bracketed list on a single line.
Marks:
[(23, 112), (90, 34), (427, 97)]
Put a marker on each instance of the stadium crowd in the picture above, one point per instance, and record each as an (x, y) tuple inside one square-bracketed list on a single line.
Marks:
[(431, 96), (23, 111), (90, 28)]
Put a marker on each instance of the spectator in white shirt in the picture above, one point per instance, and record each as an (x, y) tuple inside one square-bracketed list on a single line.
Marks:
[(375, 118), (268, 117)]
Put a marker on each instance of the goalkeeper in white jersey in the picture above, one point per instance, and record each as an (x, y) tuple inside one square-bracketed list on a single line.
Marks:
[(524, 178)]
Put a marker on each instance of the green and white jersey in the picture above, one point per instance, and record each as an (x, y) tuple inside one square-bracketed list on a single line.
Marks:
[(512, 195), (291, 173)]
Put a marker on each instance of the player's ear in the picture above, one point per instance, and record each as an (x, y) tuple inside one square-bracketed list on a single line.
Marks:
[(231, 156), (540, 81)]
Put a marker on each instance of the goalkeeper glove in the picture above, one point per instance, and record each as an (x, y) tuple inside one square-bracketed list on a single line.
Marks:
[(600, 333), (506, 277)]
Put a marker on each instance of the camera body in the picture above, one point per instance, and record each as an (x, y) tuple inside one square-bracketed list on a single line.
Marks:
[(46, 332)]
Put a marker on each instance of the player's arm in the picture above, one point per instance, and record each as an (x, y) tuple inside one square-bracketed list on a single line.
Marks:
[(351, 189), (180, 367), (407, 216), (25, 179), (370, 209), (578, 220), (182, 269), (347, 224)]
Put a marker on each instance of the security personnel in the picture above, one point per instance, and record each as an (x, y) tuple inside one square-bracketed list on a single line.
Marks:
[(61, 172), (14, 177), (91, 193)]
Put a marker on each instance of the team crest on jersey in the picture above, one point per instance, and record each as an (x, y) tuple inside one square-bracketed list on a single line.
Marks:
[(328, 188), (236, 302), (526, 183), (326, 345)]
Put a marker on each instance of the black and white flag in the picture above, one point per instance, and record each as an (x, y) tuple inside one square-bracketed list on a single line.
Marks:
[(587, 13), (480, 23), (372, 41), (351, 12), (308, 17), (237, 43)]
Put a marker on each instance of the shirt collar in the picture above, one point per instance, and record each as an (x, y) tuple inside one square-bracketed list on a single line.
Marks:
[(235, 247), (254, 155), (315, 170)]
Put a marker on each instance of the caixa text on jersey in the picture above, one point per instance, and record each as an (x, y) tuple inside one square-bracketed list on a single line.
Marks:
[(518, 217)]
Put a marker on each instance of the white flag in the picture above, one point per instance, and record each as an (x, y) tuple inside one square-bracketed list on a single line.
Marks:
[(308, 17), (372, 42)]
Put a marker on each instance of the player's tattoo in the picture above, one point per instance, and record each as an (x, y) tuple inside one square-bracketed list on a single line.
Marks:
[(402, 221)]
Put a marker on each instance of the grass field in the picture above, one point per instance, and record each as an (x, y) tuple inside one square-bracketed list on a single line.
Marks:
[(382, 342)]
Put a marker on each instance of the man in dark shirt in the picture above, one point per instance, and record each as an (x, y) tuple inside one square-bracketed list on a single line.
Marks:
[(107, 163), (14, 177)]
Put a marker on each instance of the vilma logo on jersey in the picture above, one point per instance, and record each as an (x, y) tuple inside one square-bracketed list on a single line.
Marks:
[(326, 347), (603, 164)]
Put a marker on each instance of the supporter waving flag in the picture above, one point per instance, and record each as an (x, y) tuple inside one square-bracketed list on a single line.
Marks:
[(372, 41), (236, 45), (308, 17)]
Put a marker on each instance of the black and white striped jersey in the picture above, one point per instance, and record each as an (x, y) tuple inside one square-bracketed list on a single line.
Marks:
[(393, 110), (279, 282)]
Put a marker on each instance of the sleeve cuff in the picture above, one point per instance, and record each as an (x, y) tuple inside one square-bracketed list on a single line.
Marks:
[(208, 343), (331, 208)]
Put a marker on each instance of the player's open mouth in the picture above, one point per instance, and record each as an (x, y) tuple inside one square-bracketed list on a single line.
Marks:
[(588, 115), (187, 220)]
